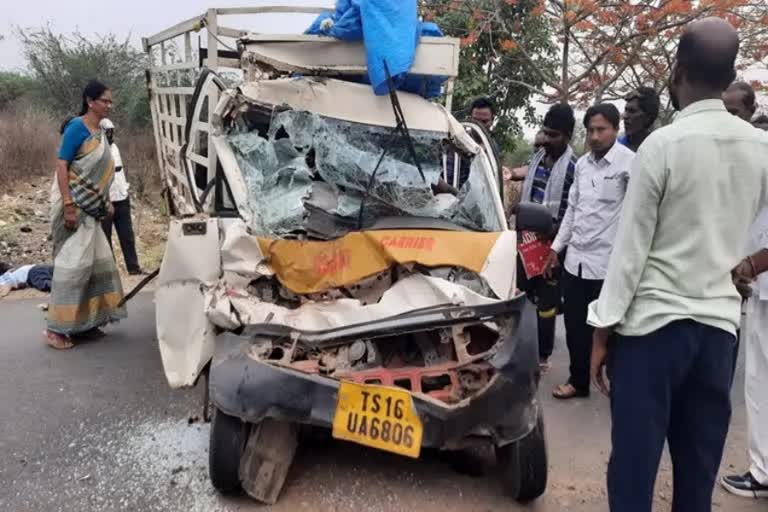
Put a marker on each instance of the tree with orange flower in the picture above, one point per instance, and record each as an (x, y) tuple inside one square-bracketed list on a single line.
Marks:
[(602, 47)]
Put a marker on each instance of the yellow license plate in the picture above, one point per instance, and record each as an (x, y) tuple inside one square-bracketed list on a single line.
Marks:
[(378, 416)]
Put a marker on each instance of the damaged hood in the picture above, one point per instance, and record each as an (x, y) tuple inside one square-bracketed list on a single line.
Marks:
[(363, 264)]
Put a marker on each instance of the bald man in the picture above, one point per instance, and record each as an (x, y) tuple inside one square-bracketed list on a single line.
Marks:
[(668, 305), (739, 100)]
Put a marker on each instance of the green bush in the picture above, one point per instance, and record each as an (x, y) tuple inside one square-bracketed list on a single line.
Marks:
[(13, 86), (62, 65)]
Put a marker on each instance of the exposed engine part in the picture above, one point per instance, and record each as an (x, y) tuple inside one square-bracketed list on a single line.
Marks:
[(373, 355), (428, 349), (368, 291), (462, 277), (474, 378), (357, 351), (446, 364)]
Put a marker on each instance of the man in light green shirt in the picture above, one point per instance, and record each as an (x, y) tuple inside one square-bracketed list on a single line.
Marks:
[(696, 187)]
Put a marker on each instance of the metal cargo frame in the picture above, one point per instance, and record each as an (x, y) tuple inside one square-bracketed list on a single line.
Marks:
[(175, 66)]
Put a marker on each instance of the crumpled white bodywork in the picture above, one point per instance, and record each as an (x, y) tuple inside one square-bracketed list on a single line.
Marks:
[(204, 278)]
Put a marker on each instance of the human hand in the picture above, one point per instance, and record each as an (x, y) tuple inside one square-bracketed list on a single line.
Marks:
[(70, 217), (599, 357), (110, 210), (443, 187), (743, 275), (518, 173), (553, 261)]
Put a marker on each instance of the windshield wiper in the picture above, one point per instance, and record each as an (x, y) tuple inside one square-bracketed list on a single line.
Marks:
[(400, 129)]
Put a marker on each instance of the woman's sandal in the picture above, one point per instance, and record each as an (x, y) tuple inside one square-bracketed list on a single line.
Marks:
[(58, 341), (567, 391)]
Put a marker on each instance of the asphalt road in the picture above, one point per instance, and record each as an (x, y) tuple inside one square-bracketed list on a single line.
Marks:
[(98, 429)]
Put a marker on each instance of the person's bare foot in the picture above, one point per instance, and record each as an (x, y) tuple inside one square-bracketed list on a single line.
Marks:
[(58, 341), (544, 366), (567, 391)]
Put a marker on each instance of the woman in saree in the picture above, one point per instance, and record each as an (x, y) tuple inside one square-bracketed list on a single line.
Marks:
[(86, 290)]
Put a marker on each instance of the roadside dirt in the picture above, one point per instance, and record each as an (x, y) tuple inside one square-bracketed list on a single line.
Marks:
[(25, 232)]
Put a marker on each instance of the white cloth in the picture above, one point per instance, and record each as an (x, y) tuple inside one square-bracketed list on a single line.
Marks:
[(119, 189), (758, 239), (696, 186), (594, 205), (553, 194), (16, 278), (756, 387)]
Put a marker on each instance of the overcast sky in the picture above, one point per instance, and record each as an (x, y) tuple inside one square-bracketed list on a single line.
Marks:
[(140, 18)]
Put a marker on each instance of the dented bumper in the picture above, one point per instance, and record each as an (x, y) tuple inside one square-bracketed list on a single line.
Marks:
[(502, 412)]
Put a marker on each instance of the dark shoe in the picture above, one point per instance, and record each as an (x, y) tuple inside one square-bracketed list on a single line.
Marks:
[(136, 272), (744, 485)]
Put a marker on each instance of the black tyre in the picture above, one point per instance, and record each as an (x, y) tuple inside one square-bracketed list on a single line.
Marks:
[(523, 465), (227, 444), (467, 462)]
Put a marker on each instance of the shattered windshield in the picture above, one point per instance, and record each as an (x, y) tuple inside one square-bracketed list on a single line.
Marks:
[(311, 175)]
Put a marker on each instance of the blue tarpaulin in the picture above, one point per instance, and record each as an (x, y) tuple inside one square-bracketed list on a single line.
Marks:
[(390, 31)]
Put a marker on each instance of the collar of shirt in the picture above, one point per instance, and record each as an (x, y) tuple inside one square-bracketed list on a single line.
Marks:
[(609, 157), (701, 106)]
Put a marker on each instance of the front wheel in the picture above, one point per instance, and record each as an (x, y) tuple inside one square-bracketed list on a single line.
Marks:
[(523, 465), (227, 445)]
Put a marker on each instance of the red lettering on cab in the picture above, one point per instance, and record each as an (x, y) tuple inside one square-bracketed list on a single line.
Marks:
[(422, 243), (332, 262)]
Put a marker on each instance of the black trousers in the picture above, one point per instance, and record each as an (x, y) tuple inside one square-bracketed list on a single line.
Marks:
[(672, 384), (124, 227), (546, 294), (577, 294)]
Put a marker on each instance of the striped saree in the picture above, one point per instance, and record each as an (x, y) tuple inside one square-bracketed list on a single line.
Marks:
[(86, 287)]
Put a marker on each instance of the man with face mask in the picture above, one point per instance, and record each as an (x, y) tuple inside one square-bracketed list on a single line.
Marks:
[(640, 113), (666, 319), (588, 228), (547, 182), (118, 194)]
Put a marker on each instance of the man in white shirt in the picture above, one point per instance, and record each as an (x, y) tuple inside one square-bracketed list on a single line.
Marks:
[(118, 194), (754, 483), (588, 229), (696, 187)]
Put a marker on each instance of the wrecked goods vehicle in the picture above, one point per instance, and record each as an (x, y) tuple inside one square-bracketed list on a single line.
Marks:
[(315, 275)]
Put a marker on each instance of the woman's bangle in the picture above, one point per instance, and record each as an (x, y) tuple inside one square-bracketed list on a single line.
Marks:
[(69, 202)]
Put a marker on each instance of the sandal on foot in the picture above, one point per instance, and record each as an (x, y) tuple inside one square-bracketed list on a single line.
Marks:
[(567, 391), (58, 341)]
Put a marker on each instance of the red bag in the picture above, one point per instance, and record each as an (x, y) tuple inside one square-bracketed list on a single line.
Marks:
[(533, 253)]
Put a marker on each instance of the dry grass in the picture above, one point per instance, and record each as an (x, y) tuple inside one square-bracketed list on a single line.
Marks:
[(28, 144), (140, 160), (29, 141)]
